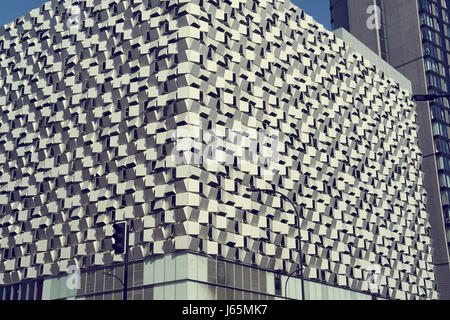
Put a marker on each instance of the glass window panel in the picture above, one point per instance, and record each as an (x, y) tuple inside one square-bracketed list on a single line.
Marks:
[(202, 269), (58, 288), (7, 293), (16, 288), (262, 281), (98, 296), (159, 270), (298, 288), (221, 272), (348, 295), (255, 279), (229, 274), (238, 276), (99, 281), (325, 292), (108, 280), (318, 291), (312, 291), (90, 282), (192, 266), (221, 294), (65, 289), (46, 289), (289, 291), (148, 272), (181, 291), (138, 276), (308, 290), (169, 268), (202, 291), (158, 292), (130, 275), (295, 293), (246, 278), (344, 294), (81, 291), (138, 294), (169, 292), (229, 294), (181, 267), (118, 272), (255, 296), (338, 293), (212, 272), (23, 291), (108, 296), (270, 281), (148, 293), (192, 290), (118, 295), (30, 290), (211, 292)]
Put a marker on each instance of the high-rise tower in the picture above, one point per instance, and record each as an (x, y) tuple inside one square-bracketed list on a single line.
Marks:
[(414, 37)]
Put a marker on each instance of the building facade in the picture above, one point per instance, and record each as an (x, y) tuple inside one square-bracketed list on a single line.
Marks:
[(413, 36), (163, 114)]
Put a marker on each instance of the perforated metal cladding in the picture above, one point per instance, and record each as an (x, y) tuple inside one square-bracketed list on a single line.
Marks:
[(88, 116)]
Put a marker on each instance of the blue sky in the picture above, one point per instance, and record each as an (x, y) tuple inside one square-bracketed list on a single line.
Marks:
[(318, 9), (12, 9)]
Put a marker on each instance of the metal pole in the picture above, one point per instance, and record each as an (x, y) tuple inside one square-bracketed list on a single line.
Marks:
[(116, 277), (125, 276), (285, 285), (299, 234)]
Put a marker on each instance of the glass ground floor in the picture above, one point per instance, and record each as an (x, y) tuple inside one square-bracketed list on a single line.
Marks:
[(183, 276)]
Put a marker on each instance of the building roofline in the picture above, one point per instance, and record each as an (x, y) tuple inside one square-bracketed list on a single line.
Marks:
[(375, 59)]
